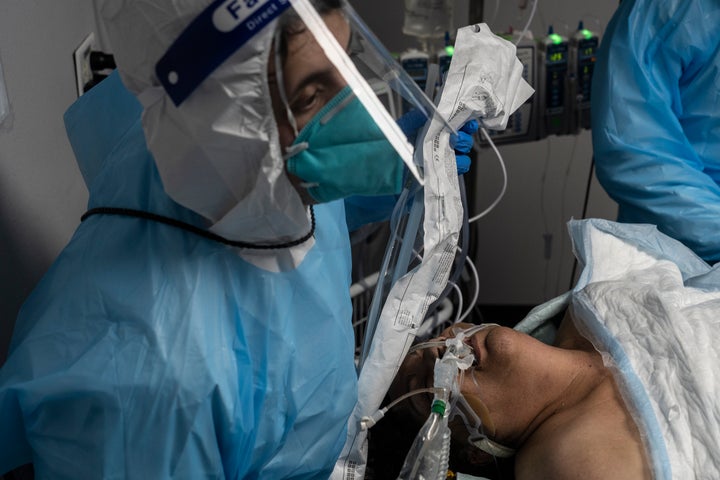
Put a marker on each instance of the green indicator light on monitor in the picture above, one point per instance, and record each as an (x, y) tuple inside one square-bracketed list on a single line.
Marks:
[(587, 33), (555, 38), (450, 50)]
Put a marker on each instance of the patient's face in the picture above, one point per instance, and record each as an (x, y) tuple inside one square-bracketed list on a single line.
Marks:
[(502, 386)]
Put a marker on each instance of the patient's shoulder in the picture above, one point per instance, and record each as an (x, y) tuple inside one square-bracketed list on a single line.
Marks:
[(590, 456), (594, 441)]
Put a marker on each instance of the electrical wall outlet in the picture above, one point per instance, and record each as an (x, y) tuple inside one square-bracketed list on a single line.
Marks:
[(81, 58)]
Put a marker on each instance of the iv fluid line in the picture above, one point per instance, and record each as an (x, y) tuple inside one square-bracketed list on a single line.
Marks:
[(527, 25), (505, 178), (563, 203), (370, 421), (472, 303)]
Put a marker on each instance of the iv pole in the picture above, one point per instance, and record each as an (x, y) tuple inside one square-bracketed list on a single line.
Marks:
[(475, 11)]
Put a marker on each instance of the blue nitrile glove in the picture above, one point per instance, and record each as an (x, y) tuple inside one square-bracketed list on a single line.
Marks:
[(463, 143), (413, 120), (410, 123)]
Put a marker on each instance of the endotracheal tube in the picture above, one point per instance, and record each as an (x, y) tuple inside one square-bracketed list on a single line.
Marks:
[(429, 454)]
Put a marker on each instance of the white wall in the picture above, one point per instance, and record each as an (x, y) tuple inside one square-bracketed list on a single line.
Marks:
[(42, 194)]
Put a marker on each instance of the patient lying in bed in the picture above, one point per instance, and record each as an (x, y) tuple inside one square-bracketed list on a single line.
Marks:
[(557, 406), (628, 386)]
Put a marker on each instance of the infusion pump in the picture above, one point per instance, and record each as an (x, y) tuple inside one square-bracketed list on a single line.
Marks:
[(558, 68)]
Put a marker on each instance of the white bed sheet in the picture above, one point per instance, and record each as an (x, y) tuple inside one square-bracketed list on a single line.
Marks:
[(652, 308)]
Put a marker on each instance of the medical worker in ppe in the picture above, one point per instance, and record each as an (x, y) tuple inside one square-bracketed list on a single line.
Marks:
[(656, 118), (198, 324)]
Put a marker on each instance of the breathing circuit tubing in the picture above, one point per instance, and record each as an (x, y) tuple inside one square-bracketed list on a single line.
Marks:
[(429, 455), (430, 452), (369, 421)]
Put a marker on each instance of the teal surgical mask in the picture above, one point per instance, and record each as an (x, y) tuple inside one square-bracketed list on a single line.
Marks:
[(341, 152)]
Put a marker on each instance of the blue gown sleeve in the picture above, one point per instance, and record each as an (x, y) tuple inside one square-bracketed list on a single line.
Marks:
[(656, 127), (362, 210), (15, 449)]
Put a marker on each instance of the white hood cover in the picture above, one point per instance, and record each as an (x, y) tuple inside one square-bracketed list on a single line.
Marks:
[(218, 153)]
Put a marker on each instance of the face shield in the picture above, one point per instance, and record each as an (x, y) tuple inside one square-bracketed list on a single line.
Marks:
[(366, 67), (354, 143)]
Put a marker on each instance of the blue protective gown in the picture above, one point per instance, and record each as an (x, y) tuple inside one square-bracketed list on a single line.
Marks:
[(150, 352), (656, 118)]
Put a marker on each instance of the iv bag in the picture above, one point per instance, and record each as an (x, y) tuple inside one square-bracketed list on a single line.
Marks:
[(428, 18)]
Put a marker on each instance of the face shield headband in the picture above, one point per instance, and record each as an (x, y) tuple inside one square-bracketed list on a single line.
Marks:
[(226, 25), (209, 40)]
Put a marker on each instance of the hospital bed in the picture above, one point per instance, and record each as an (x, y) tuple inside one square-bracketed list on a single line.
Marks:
[(652, 308)]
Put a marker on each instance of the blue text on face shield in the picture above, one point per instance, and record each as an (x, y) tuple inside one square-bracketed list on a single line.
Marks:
[(209, 40), (233, 13)]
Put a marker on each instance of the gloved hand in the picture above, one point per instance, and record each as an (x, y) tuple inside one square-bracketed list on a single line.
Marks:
[(410, 123), (463, 143), (413, 120)]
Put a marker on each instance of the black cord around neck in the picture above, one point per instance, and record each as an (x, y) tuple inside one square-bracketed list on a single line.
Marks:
[(129, 212)]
